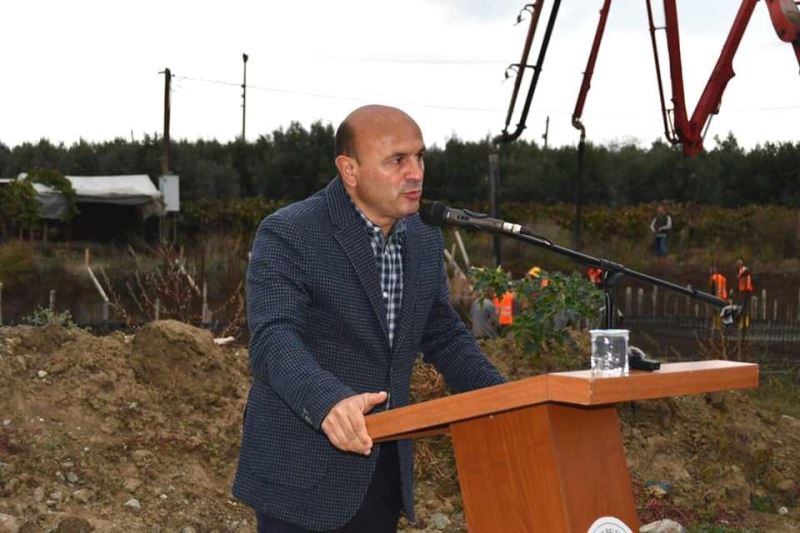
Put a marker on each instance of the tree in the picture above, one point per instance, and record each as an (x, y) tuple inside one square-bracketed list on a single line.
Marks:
[(19, 207)]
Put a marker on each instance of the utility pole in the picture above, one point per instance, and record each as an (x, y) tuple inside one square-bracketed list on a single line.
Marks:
[(244, 91), (165, 149), (546, 131)]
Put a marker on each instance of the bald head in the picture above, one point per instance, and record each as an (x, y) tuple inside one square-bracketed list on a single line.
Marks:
[(366, 122)]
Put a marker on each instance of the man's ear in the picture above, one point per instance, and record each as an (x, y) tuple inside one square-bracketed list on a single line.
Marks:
[(347, 167)]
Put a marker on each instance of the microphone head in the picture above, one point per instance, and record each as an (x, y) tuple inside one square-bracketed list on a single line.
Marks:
[(433, 213)]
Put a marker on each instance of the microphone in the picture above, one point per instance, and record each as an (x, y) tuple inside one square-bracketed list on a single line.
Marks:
[(438, 214)]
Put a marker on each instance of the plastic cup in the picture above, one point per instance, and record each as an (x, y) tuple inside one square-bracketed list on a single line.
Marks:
[(609, 352)]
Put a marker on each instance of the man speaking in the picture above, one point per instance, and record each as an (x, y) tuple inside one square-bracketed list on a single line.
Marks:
[(344, 289)]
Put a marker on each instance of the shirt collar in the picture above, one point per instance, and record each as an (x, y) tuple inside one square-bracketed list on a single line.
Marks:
[(373, 229)]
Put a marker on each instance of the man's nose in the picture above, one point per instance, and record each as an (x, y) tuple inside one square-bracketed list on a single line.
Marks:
[(415, 169)]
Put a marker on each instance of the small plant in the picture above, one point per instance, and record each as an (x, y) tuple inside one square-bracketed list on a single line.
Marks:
[(548, 306), (43, 316)]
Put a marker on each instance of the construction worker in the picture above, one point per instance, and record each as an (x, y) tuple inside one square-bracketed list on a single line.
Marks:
[(745, 289), (660, 227), (718, 286), (505, 309), (595, 275), (534, 273)]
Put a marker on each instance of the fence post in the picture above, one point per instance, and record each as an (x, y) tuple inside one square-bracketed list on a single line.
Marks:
[(628, 299), (206, 311), (754, 307), (639, 300), (763, 304), (696, 310), (157, 309), (655, 300), (775, 310), (52, 300)]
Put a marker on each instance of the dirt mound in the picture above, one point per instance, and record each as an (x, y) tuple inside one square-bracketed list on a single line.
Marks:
[(140, 433), (124, 433), (181, 361)]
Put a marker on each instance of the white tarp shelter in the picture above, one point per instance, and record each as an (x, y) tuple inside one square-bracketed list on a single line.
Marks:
[(131, 190)]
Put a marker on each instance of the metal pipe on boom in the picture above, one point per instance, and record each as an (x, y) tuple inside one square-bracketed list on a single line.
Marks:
[(506, 137), (578, 124)]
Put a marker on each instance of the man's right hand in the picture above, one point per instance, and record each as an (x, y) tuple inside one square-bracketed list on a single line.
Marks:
[(345, 425)]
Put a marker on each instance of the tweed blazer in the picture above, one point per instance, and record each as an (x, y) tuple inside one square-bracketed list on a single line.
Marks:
[(318, 334)]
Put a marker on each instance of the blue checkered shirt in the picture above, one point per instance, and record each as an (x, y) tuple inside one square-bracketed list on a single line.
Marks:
[(389, 259)]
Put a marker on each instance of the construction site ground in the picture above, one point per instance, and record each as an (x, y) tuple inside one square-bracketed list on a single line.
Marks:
[(140, 432)]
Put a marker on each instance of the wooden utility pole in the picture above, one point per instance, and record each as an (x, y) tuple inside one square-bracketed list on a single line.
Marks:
[(546, 131), (165, 151), (244, 92)]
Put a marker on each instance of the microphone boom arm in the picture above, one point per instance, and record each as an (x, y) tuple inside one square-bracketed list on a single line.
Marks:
[(616, 268)]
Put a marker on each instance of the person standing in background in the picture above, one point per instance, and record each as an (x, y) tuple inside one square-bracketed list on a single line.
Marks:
[(660, 227), (745, 289)]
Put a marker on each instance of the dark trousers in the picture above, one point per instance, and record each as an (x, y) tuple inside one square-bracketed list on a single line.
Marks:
[(380, 511)]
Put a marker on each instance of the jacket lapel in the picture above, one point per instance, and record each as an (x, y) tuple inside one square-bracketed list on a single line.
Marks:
[(352, 238), (411, 258)]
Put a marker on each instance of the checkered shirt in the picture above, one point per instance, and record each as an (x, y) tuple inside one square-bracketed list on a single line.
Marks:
[(389, 260)]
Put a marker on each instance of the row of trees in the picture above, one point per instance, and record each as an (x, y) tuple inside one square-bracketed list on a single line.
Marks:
[(290, 164)]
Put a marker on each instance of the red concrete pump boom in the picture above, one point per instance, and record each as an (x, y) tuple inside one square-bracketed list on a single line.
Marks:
[(679, 128), (690, 131)]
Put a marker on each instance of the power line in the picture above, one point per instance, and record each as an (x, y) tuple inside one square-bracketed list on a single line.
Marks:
[(332, 96), (609, 113)]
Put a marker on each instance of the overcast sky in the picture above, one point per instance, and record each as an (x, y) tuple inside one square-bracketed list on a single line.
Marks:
[(90, 69)]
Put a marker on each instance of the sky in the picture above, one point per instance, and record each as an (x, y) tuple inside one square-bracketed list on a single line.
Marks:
[(92, 70)]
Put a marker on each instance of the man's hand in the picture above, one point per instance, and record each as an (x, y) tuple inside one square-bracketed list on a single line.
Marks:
[(345, 426)]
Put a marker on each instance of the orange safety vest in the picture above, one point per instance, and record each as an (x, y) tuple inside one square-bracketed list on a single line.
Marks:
[(505, 309), (745, 279), (595, 275), (719, 285)]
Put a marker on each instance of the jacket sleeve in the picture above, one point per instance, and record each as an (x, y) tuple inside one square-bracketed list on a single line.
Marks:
[(450, 347), (277, 298)]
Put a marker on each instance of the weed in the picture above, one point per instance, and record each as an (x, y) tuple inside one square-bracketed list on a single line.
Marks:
[(43, 316)]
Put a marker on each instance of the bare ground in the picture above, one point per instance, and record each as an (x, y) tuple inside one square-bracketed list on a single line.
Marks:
[(141, 433)]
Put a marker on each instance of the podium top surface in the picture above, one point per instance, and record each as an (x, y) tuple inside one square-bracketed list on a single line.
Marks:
[(576, 388)]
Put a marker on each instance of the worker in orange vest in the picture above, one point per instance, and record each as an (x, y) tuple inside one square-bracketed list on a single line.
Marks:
[(505, 309), (534, 273), (595, 276), (718, 286), (745, 289)]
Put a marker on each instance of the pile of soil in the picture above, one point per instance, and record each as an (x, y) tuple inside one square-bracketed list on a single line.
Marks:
[(141, 433), (120, 433)]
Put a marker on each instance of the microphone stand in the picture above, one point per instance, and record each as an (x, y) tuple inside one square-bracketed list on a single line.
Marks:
[(612, 273)]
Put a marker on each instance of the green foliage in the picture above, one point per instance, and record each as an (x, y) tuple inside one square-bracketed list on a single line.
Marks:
[(43, 316), (16, 262), (56, 180), (548, 305), (19, 207), (238, 216)]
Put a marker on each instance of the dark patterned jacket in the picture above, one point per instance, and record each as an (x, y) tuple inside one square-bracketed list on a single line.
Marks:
[(318, 335)]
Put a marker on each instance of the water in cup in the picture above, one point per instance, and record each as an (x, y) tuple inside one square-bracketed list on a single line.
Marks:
[(609, 352)]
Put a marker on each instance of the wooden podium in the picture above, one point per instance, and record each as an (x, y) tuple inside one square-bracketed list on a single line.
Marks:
[(545, 453)]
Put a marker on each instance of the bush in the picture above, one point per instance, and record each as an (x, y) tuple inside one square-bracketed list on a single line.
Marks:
[(16, 262), (548, 306)]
